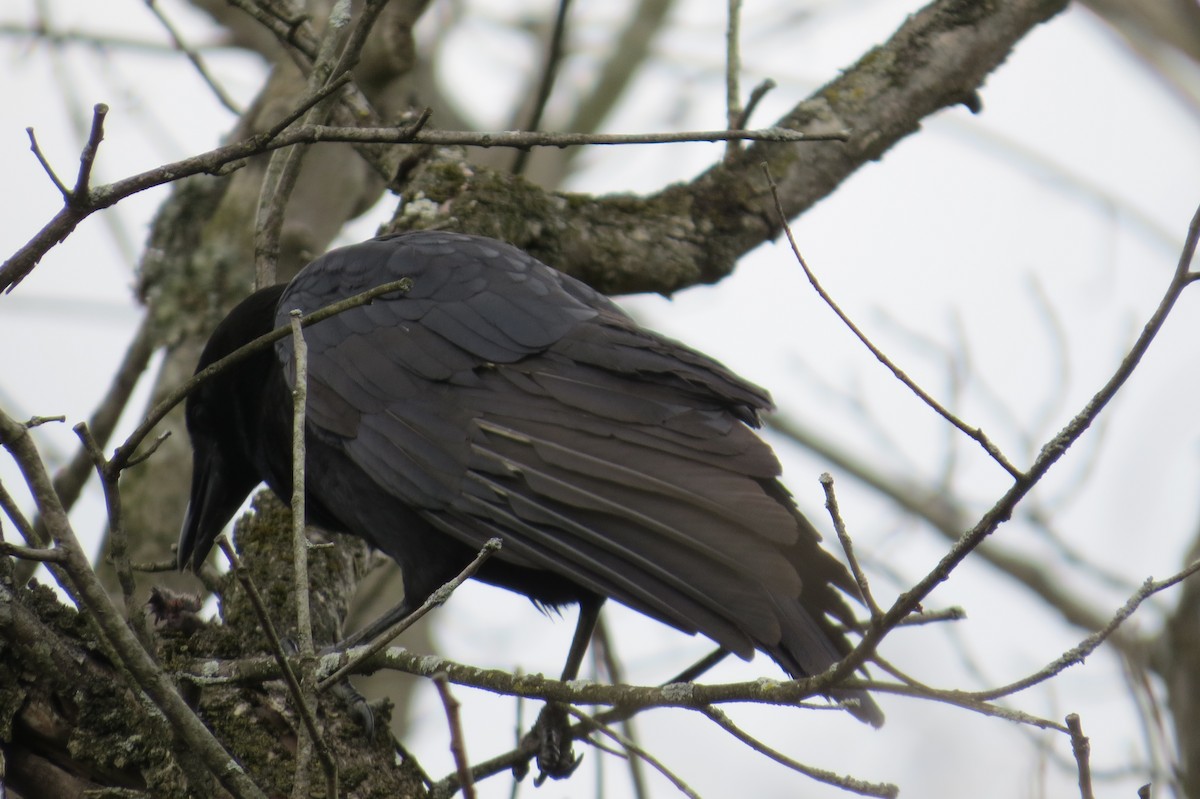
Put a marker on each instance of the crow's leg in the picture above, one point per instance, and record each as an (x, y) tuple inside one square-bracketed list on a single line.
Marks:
[(555, 755)]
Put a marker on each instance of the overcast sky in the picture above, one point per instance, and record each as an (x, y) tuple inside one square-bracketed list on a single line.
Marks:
[(1024, 246)]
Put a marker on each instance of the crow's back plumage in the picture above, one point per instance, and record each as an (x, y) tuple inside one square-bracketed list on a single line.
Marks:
[(499, 397)]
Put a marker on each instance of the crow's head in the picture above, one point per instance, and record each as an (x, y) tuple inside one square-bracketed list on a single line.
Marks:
[(222, 416)]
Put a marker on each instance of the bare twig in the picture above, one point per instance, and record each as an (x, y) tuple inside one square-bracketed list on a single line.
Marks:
[(116, 535), (124, 453), (549, 72), (845, 782), (49, 170), (305, 103), (145, 454), (192, 55), (518, 735), (839, 526), (605, 652), (458, 746), (1078, 653), (89, 39), (299, 539), (733, 68), (973, 432), (87, 159), (1081, 747), (590, 722), (1053, 450), (627, 699), (435, 599), (949, 520), (922, 618), (293, 33), (300, 578), (218, 160), (34, 554), (29, 532), (283, 169), (69, 481), (38, 421), (756, 95), (628, 53), (328, 764)]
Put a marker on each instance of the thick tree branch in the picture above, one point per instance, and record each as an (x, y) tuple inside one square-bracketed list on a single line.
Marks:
[(940, 57)]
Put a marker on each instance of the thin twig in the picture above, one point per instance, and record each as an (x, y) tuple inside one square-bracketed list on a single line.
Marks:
[(839, 526), (328, 764), (1081, 747), (960, 699), (1054, 449), (219, 160), (549, 72), (194, 56), (632, 748), (300, 42), (118, 543), (845, 782), (283, 168), (518, 734), (87, 158), (299, 539), (438, 597), (973, 432), (305, 103), (124, 453), (733, 68), (625, 701), (756, 95), (91, 40), (300, 577), (949, 520), (70, 479), (145, 454), (49, 170), (295, 35), (628, 53), (36, 554), (918, 619), (458, 746), (29, 532), (603, 649), (1087, 646), (357, 38), (38, 421)]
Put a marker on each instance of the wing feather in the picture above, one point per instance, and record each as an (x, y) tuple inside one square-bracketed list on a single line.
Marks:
[(499, 397)]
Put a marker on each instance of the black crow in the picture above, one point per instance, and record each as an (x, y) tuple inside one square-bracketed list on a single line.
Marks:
[(501, 398)]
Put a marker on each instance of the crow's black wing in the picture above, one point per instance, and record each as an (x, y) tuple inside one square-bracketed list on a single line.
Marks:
[(502, 398)]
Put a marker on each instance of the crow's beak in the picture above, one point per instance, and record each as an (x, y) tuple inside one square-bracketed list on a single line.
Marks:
[(217, 492)]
